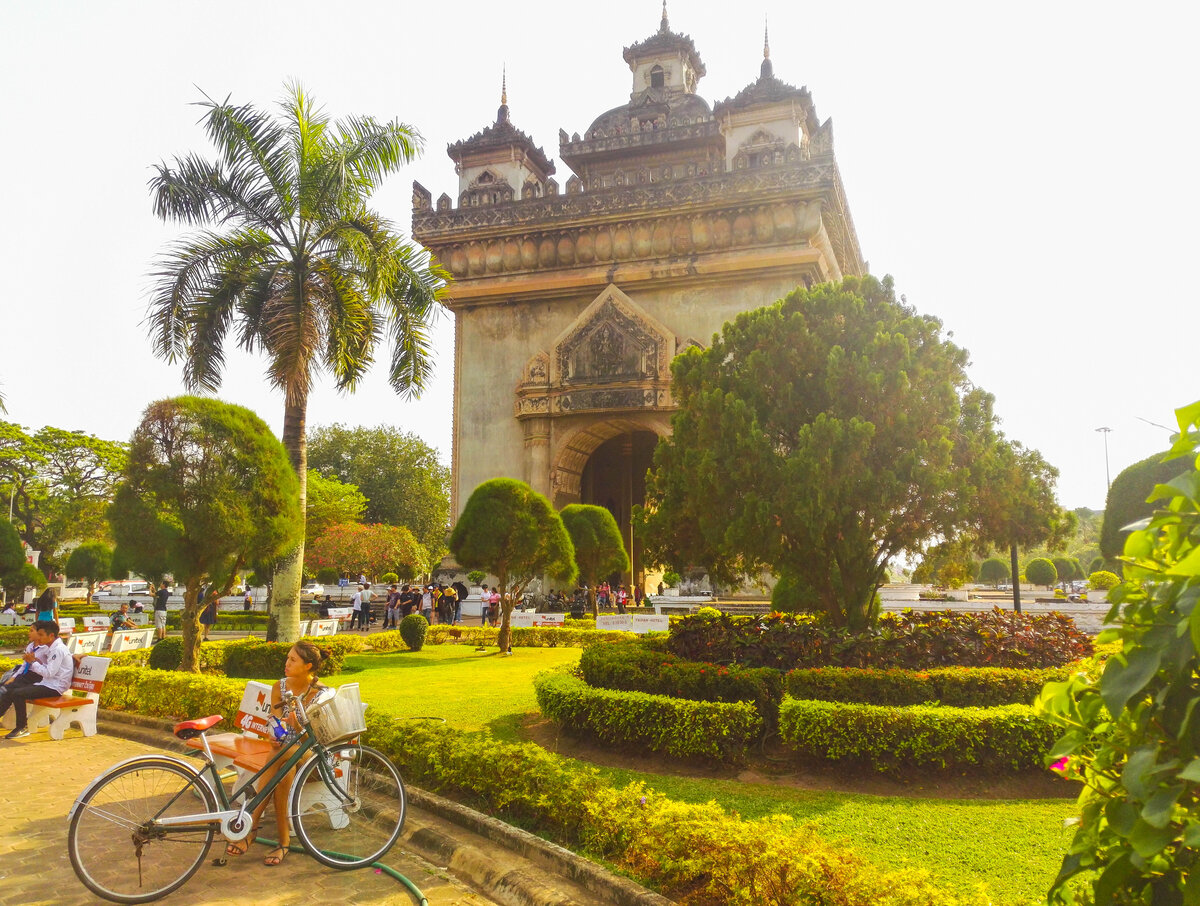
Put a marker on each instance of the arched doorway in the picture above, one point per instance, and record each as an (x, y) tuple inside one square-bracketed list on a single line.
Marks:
[(614, 477)]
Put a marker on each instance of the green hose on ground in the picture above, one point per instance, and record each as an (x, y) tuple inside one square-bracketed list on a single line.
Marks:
[(387, 869)]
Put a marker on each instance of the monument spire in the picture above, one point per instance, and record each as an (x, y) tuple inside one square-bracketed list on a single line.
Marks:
[(664, 26), (767, 70), (502, 113)]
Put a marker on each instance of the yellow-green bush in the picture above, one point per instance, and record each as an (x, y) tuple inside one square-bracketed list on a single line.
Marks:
[(657, 723), (1010, 737), (522, 636)]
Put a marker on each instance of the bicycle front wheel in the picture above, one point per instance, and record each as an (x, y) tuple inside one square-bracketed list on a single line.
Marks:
[(117, 850), (348, 806)]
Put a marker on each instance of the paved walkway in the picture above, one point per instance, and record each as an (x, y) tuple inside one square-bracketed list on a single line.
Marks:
[(36, 871)]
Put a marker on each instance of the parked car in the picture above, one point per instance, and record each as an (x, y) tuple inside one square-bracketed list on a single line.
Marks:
[(312, 590), (124, 589)]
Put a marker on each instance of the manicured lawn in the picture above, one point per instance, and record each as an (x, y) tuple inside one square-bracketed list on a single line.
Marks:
[(1012, 848), (470, 689)]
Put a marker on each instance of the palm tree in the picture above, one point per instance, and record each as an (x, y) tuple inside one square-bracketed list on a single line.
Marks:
[(289, 256)]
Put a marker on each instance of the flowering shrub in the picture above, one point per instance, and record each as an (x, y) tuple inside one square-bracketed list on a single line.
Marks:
[(371, 549), (910, 639), (1011, 737)]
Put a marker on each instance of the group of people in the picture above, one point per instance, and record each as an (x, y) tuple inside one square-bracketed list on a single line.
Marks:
[(45, 671)]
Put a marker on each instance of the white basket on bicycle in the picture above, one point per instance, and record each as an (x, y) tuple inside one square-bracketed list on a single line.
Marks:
[(338, 718)]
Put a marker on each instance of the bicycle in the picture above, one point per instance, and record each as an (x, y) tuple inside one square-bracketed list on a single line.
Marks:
[(135, 834)]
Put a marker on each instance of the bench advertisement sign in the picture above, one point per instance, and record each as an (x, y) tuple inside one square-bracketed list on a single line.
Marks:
[(89, 675), (528, 620), (131, 640), (640, 623), (86, 642), (255, 709), (66, 625), (323, 627), (340, 613), (93, 623)]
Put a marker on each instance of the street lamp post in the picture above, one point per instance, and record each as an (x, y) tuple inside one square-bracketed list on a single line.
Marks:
[(1107, 479)]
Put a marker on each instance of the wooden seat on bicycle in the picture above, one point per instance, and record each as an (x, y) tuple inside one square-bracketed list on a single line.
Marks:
[(189, 729)]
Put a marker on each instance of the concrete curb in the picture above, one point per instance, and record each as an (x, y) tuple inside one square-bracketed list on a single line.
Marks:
[(505, 884)]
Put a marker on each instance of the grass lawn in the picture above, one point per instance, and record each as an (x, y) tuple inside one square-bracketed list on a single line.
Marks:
[(1012, 847), (470, 689)]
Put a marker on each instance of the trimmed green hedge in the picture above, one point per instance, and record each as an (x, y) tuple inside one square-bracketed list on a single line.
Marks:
[(963, 687), (251, 658), (656, 723), (522, 636), (637, 666), (1010, 737)]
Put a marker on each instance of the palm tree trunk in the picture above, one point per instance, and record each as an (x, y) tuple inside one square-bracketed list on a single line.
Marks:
[(283, 623)]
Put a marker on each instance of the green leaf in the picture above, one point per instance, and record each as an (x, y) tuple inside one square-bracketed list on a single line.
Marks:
[(1122, 815), (1191, 835), (1139, 772), (1192, 771), (1125, 676), (1110, 881), (1148, 841), (1157, 812)]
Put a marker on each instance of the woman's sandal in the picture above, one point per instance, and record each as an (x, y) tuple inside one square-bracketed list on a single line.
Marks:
[(241, 847), (275, 856)]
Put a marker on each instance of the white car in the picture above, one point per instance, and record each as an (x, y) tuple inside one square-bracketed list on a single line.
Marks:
[(313, 589)]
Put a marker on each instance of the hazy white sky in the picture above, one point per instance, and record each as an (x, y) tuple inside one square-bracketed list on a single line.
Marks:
[(1026, 170)]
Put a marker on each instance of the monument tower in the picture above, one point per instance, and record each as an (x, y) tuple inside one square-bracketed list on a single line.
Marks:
[(569, 303)]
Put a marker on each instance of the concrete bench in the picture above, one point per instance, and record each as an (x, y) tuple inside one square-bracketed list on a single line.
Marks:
[(73, 709)]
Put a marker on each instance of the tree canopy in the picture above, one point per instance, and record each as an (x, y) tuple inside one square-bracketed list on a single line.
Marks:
[(92, 562), (512, 531), (818, 438), (371, 550), (400, 475), (1040, 571), (993, 571), (330, 502), (599, 548), (1127, 500), (290, 258), (61, 483), (207, 490)]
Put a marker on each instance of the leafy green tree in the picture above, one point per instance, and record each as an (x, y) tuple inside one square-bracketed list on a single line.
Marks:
[(512, 531), (60, 483), (599, 549), (367, 549), (12, 561), (1040, 571), (1097, 565), (1131, 739), (399, 473), (329, 503), (1127, 501), (92, 562), (208, 489), (294, 261), (819, 437), (993, 571)]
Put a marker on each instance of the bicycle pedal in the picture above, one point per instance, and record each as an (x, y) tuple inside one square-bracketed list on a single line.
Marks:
[(220, 862)]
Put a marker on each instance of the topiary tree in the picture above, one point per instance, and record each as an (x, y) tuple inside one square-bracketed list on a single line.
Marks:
[(92, 562), (1041, 571), (12, 560), (599, 548), (1096, 565), (1102, 580), (510, 530), (1131, 738), (993, 571), (412, 629), (207, 489), (327, 575), (389, 578), (1127, 501), (1067, 569), (476, 576)]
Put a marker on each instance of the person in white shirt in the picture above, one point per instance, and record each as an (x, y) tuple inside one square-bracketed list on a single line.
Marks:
[(54, 669), (356, 606)]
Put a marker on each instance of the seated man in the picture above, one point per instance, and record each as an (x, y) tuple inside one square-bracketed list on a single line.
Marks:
[(51, 672), (121, 620)]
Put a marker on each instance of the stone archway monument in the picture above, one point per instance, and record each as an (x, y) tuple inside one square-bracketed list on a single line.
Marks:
[(570, 305)]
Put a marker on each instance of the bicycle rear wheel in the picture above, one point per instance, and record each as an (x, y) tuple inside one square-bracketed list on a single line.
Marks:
[(115, 850), (352, 815)]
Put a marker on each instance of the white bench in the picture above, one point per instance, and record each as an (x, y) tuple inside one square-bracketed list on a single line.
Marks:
[(73, 709), (86, 642), (131, 640), (97, 624), (304, 628)]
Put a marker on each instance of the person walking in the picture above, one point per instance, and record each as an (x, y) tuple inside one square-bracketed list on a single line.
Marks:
[(160, 611), (366, 606), (356, 608)]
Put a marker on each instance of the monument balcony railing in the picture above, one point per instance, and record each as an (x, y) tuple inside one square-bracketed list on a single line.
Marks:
[(622, 137)]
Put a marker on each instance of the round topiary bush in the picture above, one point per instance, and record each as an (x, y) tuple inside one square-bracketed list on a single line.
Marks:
[(412, 629), (166, 654), (1041, 571), (1102, 580), (389, 578), (327, 575)]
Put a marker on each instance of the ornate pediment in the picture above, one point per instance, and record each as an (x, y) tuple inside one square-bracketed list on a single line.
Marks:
[(614, 357)]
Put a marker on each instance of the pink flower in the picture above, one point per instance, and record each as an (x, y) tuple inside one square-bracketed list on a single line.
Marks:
[(1061, 765)]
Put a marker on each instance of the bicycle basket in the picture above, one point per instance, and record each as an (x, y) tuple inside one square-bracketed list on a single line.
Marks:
[(338, 718)]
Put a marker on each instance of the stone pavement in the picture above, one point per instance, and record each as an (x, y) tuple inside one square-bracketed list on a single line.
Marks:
[(40, 778)]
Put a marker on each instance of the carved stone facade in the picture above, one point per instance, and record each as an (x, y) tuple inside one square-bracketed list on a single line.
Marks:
[(570, 307)]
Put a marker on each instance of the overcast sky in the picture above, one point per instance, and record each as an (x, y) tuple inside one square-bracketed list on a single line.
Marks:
[(1026, 170)]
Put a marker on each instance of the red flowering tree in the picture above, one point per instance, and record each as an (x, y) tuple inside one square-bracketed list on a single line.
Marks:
[(367, 549)]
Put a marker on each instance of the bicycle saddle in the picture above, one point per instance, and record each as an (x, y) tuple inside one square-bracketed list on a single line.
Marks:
[(190, 729)]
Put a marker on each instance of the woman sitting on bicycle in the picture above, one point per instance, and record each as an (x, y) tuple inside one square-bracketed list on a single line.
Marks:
[(300, 674)]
